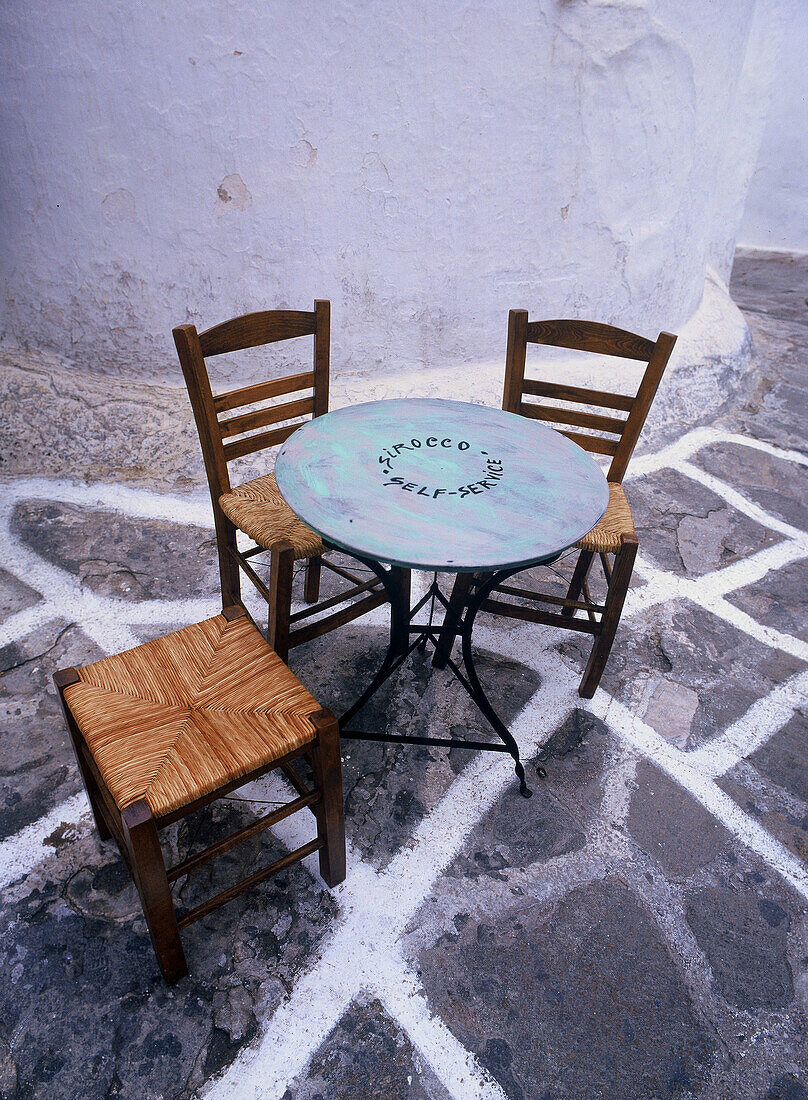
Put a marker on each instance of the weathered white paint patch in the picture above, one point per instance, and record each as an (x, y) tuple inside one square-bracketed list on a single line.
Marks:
[(19, 854)]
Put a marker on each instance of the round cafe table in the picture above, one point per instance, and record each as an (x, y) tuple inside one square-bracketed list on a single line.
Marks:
[(444, 487)]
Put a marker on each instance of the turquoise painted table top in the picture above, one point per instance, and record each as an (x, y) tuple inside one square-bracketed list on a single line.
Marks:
[(440, 485)]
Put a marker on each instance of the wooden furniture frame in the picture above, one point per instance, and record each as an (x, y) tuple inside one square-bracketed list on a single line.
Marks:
[(613, 540), (224, 440), (135, 827)]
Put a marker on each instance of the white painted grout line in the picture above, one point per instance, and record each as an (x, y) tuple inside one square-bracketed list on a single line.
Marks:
[(618, 786), (680, 450), (740, 574), (752, 730), (741, 503), (787, 643), (22, 852), (138, 503), (456, 1068), (702, 788), (375, 908), (708, 592), (17, 626), (788, 455)]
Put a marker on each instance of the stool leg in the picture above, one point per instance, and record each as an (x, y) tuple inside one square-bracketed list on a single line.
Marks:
[(576, 584), (93, 794), (281, 568), (228, 566), (331, 815), (149, 872), (311, 587)]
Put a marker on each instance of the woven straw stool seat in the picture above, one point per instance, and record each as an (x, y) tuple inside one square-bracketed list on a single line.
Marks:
[(258, 509), (177, 723), (182, 716), (606, 536)]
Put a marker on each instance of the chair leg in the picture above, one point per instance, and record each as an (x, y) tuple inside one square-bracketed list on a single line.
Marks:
[(228, 566), (615, 598), (311, 587), (448, 632), (149, 872), (578, 577), (281, 568), (331, 811)]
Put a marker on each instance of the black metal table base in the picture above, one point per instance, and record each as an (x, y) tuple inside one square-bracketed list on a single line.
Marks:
[(402, 628)]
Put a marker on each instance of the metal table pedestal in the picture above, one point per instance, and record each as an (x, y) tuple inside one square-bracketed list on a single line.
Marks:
[(401, 646)]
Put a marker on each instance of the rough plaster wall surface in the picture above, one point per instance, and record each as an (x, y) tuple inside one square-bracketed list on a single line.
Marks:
[(425, 166), (76, 425), (776, 212)]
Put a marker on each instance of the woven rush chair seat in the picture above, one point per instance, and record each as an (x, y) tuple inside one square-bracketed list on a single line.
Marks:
[(171, 725), (179, 717), (607, 535), (258, 509)]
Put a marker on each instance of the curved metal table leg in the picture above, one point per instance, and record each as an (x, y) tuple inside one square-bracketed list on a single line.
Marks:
[(481, 699), (400, 647), (399, 632)]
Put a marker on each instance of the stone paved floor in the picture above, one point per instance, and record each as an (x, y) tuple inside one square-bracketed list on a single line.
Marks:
[(637, 929)]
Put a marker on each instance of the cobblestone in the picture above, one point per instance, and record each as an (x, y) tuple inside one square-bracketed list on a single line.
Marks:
[(638, 929)]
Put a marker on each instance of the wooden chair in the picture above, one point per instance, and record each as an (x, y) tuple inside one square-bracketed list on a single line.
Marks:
[(613, 539), (167, 727), (257, 507)]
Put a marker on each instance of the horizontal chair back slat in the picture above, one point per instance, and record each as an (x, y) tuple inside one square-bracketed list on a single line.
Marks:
[(594, 443), (266, 327), (263, 391), (253, 443), (586, 336), (575, 417), (237, 425), (578, 393), (237, 334), (590, 336)]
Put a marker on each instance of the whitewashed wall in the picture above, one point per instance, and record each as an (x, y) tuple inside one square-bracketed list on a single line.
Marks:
[(424, 164), (776, 213)]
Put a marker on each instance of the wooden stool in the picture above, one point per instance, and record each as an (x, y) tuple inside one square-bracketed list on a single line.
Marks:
[(176, 723)]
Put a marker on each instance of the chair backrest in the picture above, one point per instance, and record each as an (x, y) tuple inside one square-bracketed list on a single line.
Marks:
[(226, 439), (603, 340)]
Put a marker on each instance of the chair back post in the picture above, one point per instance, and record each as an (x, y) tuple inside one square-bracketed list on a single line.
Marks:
[(189, 350), (253, 329), (322, 355), (515, 360), (642, 403)]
